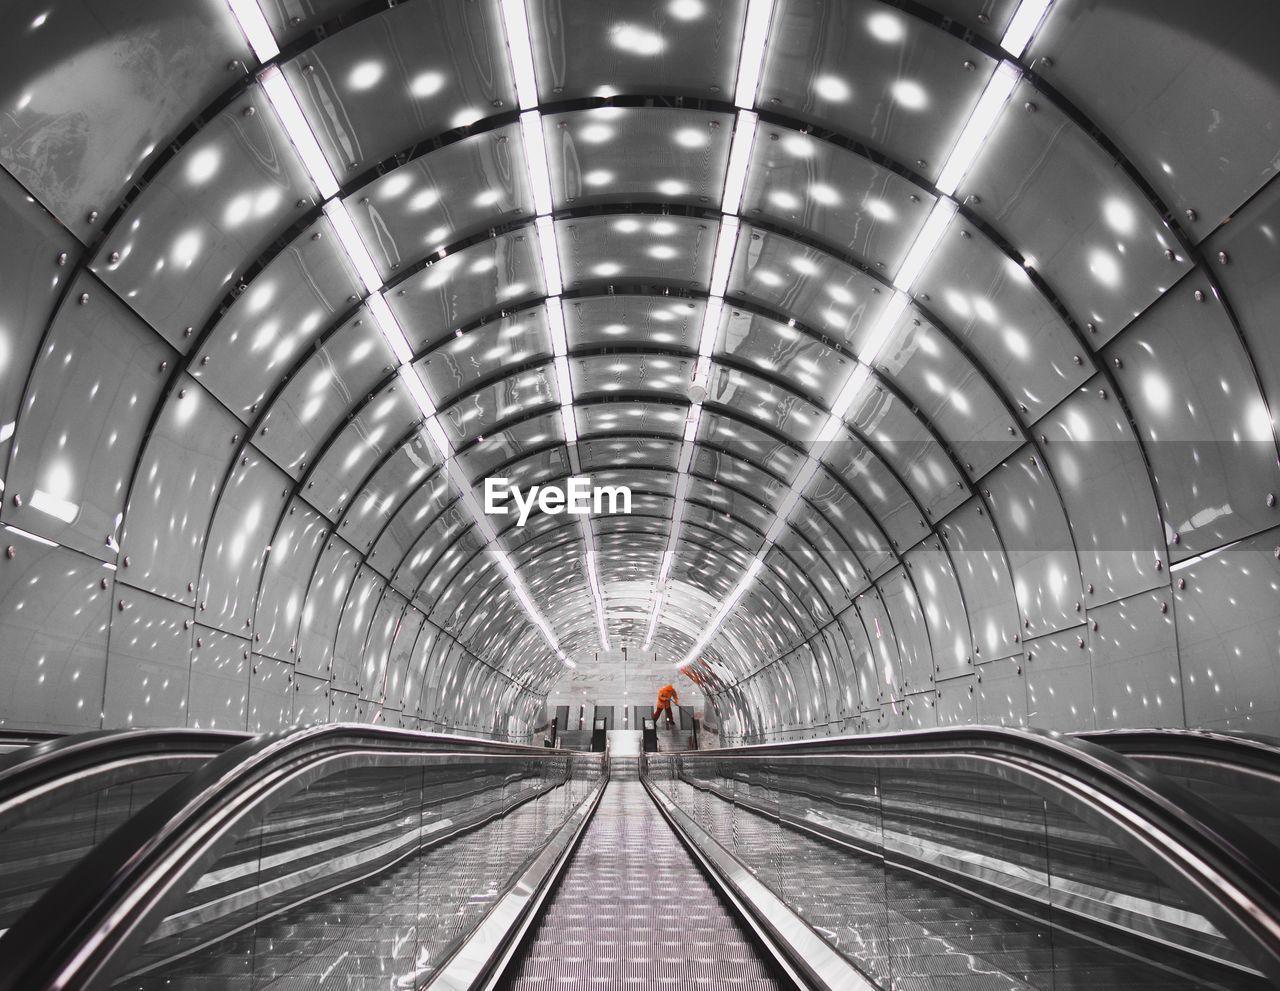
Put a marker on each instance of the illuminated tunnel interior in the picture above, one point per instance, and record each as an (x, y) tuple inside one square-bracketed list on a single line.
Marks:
[(934, 343)]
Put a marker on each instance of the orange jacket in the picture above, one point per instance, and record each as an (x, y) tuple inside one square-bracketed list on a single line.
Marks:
[(666, 695)]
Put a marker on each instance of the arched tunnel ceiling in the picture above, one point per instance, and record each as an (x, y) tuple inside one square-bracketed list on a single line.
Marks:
[(916, 342)]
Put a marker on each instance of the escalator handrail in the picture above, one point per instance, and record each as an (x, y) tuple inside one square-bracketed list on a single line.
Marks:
[(29, 771), (1244, 751), (94, 915), (1234, 865)]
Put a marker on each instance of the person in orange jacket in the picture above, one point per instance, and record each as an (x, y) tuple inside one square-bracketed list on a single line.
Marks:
[(666, 695)]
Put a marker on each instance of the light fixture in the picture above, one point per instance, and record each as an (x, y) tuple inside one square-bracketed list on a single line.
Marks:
[(253, 23), (535, 153), (289, 111), (413, 382), (390, 328), (981, 122), (516, 20), (1023, 26), (550, 253), (722, 614), (353, 244), (926, 241), (755, 34), (555, 321), (870, 349), (726, 244), (735, 181)]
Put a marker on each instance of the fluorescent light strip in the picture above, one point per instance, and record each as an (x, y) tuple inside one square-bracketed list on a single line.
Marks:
[(653, 622), (1023, 26), (390, 328), (516, 20), (735, 182), (755, 34), (555, 320), (981, 123), (285, 104), (726, 245), (876, 340), (535, 151), (436, 431), (353, 244), (257, 31), (925, 243), (550, 252), (413, 382), (723, 613)]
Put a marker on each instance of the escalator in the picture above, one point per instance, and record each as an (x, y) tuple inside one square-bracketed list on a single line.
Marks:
[(965, 860)]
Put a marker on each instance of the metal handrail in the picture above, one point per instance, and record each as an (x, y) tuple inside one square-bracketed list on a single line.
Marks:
[(51, 771), (82, 931), (1250, 752), (1224, 863)]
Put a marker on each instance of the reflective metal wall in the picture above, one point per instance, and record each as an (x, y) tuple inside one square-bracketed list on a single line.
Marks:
[(1053, 502)]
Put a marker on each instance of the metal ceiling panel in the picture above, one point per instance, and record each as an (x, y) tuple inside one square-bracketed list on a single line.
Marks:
[(985, 580), (887, 680), (88, 404), (446, 530), (1104, 252), (810, 367), (951, 394), (801, 593), (311, 700), (287, 307), (295, 548), (353, 630), (1135, 662), (941, 601), (706, 518), (31, 244), (426, 502), (448, 195), (515, 441), (755, 399), (375, 658), (884, 497), (736, 504), (383, 494), (468, 285), (912, 449), (627, 417), (726, 469), (1194, 397), (907, 93), (673, 252), (148, 661), (637, 155), (1099, 468), (270, 695), (813, 567), (1002, 691), (398, 668), (180, 474), (339, 373), (410, 73), (1188, 119), (249, 506), (92, 92), (372, 433), (1251, 278), (1231, 657), (501, 347), (653, 452), (846, 539), (633, 320), (214, 207), (422, 651), (326, 592), (991, 304), (915, 654), (1037, 536), (480, 412), (1060, 682), (749, 443), (54, 613), (629, 374), (688, 50), (807, 284), (220, 672), (956, 703), (839, 198)]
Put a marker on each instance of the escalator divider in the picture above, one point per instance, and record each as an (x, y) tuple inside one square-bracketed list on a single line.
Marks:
[(800, 954), (487, 956)]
